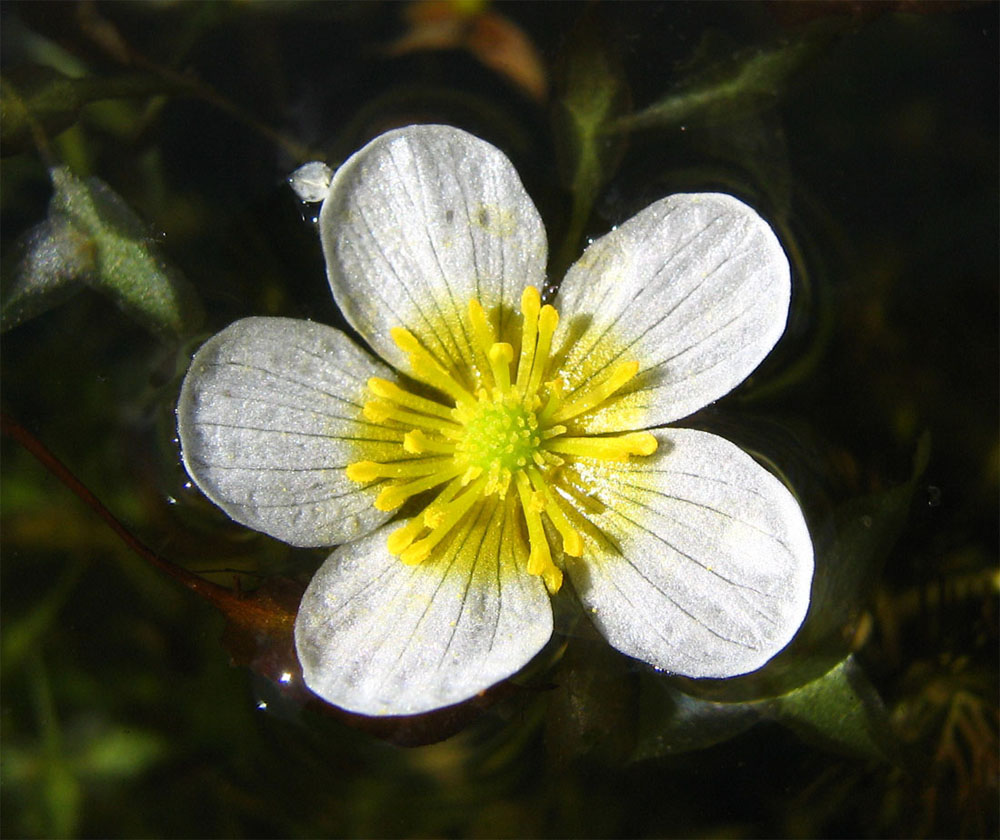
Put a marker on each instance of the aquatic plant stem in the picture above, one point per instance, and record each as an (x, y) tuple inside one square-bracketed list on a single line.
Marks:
[(259, 614)]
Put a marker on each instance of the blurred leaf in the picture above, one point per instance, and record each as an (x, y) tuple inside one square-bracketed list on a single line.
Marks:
[(864, 533), (91, 236), (494, 40), (22, 634), (866, 530), (840, 711), (55, 258), (748, 80), (37, 96), (62, 798), (592, 94), (60, 789), (120, 753)]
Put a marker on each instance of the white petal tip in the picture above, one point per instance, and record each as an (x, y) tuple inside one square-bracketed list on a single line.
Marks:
[(377, 637)]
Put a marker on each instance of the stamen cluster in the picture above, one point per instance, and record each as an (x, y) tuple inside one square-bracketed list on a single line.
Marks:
[(507, 431)]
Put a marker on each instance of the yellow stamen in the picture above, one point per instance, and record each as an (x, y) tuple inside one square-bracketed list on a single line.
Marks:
[(531, 302), (454, 512), (426, 368), (539, 556), (555, 389), (391, 391), (611, 448), (572, 541), (393, 497), (435, 511), (471, 474), (364, 471), (501, 355), (548, 318), (592, 396), (490, 433), (380, 412), (401, 538), (417, 443)]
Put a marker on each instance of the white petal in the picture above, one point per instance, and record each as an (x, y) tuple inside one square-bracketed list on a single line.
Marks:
[(417, 223), (707, 563), (378, 637), (695, 288), (270, 415)]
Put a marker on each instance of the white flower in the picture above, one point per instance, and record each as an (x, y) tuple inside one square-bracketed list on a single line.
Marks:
[(519, 444)]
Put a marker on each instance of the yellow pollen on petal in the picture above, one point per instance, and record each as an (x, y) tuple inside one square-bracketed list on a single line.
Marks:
[(589, 398), (482, 332), (514, 432)]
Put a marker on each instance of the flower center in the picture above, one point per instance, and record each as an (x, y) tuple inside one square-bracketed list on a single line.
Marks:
[(500, 437), (508, 431)]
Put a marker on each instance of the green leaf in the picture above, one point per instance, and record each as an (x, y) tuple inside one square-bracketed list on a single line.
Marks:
[(23, 635), (37, 97), (92, 237), (593, 93), (747, 80), (55, 260), (118, 754), (841, 711), (672, 722)]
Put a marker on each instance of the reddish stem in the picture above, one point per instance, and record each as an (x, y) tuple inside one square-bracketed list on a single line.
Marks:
[(245, 611)]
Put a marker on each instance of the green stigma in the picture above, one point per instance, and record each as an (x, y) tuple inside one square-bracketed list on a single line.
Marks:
[(500, 436)]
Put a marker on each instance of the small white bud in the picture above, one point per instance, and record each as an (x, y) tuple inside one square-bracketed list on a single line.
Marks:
[(311, 181)]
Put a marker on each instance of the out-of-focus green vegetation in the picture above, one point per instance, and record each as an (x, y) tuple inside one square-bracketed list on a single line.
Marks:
[(144, 152)]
